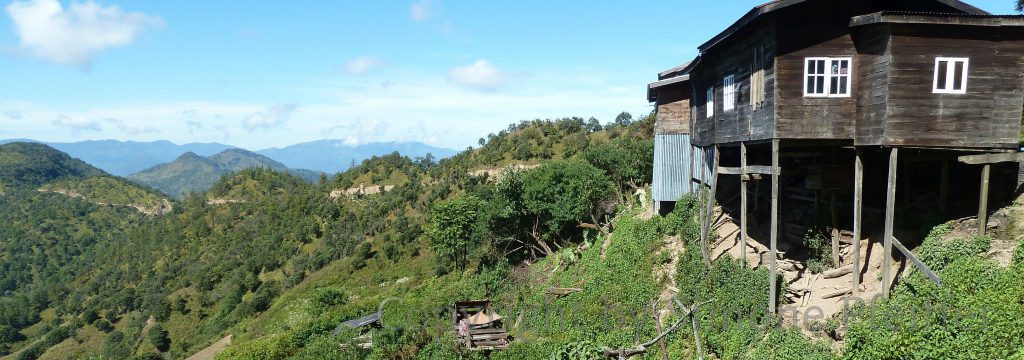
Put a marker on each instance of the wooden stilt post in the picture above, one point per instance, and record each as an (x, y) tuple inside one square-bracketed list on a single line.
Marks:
[(983, 200), (772, 293), (944, 186), (693, 158), (835, 229), (890, 205), (743, 203), (702, 193), (708, 215), (858, 203)]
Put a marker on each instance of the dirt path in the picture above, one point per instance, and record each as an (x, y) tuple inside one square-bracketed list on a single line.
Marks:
[(210, 352)]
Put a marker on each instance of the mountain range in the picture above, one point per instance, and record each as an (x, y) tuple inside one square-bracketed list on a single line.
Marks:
[(191, 172), (124, 158)]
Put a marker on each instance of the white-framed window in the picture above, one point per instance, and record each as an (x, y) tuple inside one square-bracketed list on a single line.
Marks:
[(728, 93), (950, 75), (710, 102), (827, 76)]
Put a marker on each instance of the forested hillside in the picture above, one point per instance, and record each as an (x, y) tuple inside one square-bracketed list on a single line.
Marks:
[(543, 218), (194, 173)]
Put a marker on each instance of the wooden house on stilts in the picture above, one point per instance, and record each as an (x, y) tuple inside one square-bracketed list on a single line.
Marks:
[(870, 112)]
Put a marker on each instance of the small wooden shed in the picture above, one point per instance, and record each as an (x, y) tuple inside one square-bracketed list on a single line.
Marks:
[(479, 326)]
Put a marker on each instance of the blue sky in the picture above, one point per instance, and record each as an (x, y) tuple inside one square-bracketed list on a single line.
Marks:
[(261, 74)]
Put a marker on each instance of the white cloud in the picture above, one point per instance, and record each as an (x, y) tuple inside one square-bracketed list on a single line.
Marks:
[(421, 10), (362, 65), (13, 115), (73, 35), (134, 128), (273, 117), (77, 124), (480, 74)]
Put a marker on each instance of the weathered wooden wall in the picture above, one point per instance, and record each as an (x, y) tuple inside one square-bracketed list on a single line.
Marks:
[(743, 122), (872, 62), (988, 115), (805, 35), (673, 112)]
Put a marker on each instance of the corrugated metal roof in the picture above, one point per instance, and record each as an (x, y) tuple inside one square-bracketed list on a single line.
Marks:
[(922, 17), (771, 6), (357, 322)]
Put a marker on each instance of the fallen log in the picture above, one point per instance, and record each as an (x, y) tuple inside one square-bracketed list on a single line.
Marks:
[(840, 272), (838, 293)]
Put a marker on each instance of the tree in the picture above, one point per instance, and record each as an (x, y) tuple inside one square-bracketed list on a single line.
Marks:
[(624, 119), (1020, 6), (90, 315), (594, 125), (454, 227), (157, 336), (551, 200), (114, 347), (628, 162)]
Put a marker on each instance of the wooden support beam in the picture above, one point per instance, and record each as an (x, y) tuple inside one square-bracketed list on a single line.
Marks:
[(983, 200), (835, 229), (773, 291), (750, 177), (751, 169), (710, 210), (991, 158), (858, 207), (890, 205), (693, 158), (743, 204), (917, 262)]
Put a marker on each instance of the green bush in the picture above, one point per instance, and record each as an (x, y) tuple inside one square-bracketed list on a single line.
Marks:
[(974, 314), (938, 255)]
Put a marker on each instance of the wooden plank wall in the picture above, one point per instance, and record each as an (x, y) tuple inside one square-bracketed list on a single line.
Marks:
[(990, 111), (737, 59), (799, 117), (873, 60)]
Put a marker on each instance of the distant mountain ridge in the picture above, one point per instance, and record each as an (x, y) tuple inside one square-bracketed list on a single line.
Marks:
[(333, 156), (191, 172), (123, 158)]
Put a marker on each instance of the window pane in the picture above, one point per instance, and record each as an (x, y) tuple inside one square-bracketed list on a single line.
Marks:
[(843, 89), (833, 87), (820, 86), (821, 67), (809, 67), (834, 67), (810, 84), (844, 67), (940, 75), (958, 73)]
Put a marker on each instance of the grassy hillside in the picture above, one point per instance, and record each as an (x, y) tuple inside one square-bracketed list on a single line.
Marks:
[(107, 190)]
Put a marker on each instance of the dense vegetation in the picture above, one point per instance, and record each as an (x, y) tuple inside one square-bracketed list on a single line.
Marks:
[(279, 262)]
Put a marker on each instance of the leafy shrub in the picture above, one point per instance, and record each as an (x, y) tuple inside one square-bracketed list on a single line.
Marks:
[(577, 350), (330, 296), (157, 336), (974, 314), (938, 255)]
